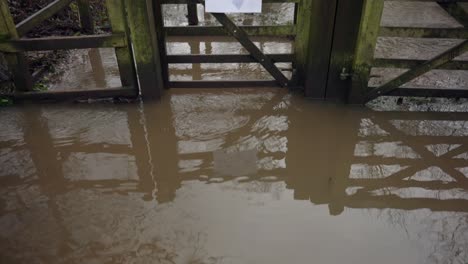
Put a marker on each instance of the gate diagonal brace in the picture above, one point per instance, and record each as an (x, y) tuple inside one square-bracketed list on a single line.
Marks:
[(255, 52), (410, 75)]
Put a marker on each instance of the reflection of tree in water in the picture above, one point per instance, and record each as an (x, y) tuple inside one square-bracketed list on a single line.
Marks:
[(444, 235), (433, 146)]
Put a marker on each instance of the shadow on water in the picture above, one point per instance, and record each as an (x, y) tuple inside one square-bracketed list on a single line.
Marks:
[(206, 176)]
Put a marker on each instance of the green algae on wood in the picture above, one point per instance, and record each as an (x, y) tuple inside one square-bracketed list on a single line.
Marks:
[(118, 21), (365, 49), (17, 62), (145, 47)]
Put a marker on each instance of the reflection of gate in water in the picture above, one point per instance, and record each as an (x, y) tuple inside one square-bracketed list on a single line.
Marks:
[(371, 160)]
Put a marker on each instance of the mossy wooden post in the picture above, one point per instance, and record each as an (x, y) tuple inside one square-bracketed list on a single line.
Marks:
[(365, 48), (17, 62), (345, 37), (86, 18), (146, 47), (315, 24), (161, 37), (118, 21)]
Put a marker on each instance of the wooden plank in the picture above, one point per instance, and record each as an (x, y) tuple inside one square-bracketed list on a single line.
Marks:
[(223, 84), (316, 22), (255, 52), (17, 63), (125, 60), (419, 92), (40, 16), (141, 23), (348, 18), (409, 63), (59, 43), (209, 40), (288, 31), (365, 48), (86, 19), (227, 58), (437, 61), (412, 32)]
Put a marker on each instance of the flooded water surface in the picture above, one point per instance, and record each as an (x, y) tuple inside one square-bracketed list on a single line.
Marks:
[(238, 176)]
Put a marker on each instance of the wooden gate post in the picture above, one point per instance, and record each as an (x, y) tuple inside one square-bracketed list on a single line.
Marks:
[(315, 24), (86, 18), (125, 60), (365, 48), (345, 37), (145, 45), (17, 62)]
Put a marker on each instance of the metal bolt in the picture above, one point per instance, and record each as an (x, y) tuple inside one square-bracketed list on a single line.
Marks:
[(344, 75)]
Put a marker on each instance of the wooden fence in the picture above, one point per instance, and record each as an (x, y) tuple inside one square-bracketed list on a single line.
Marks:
[(130, 23), (334, 43)]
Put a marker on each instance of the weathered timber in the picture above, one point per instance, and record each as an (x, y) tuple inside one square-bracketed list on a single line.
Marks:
[(161, 38), (255, 52), (125, 61), (345, 38), (428, 92), (223, 84), (413, 32), (227, 58), (365, 49), (287, 31), (86, 19), (437, 61), (410, 63), (316, 22), (17, 62), (145, 46), (60, 43), (40, 16)]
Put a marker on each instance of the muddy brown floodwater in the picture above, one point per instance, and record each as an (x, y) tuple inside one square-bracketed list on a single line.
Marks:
[(236, 176), (239, 176)]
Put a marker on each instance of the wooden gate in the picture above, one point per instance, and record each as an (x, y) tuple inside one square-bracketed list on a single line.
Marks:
[(370, 30), (132, 37), (227, 27), (325, 35)]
